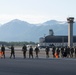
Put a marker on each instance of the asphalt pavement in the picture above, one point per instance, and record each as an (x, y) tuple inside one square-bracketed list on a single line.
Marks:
[(41, 66)]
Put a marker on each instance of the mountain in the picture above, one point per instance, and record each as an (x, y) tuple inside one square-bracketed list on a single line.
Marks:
[(17, 30), (52, 22), (0, 24)]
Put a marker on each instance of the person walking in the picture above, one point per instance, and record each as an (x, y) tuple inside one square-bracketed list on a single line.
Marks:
[(75, 52), (71, 52), (58, 52), (36, 51), (65, 52), (30, 51), (68, 51), (53, 51), (62, 51), (24, 49), (47, 52), (12, 52), (3, 51)]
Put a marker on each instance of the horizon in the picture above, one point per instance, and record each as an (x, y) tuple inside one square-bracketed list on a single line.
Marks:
[(29, 22), (33, 11)]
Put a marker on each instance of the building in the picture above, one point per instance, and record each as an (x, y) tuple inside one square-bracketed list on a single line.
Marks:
[(52, 40)]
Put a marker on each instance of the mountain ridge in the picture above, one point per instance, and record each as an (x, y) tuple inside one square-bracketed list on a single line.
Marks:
[(18, 30)]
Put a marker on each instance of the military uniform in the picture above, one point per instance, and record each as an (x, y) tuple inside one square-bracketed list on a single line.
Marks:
[(47, 51), (37, 51), (3, 50), (24, 49), (12, 52), (31, 52)]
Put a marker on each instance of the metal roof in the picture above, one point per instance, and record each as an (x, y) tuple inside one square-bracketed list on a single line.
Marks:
[(58, 39)]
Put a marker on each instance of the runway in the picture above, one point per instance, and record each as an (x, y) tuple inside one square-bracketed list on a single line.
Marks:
[(41, 66)]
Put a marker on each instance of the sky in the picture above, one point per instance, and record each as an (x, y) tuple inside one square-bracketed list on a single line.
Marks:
[(36, 11)]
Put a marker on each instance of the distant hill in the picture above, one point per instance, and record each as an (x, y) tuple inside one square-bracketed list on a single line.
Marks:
[(0, 24), (17, 30)]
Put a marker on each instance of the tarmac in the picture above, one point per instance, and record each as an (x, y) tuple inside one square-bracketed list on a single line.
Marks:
[(40, 66)]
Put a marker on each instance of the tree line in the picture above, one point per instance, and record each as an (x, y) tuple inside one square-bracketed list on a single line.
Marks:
[(17, 43)]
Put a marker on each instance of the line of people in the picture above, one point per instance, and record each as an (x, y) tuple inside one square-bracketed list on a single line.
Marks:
[(56, 51), (24, 50), (68, 52), (2, 52)]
